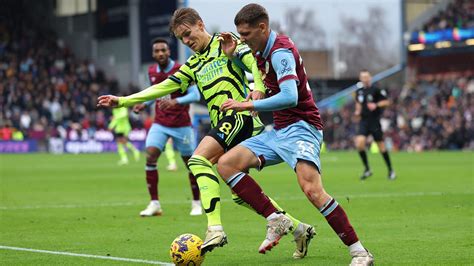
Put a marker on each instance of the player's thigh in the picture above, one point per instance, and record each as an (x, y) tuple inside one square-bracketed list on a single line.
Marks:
[(263, 148), (300, 141), (363, 128), (210, 149), (376, 131), (183, 140), (238, 159), (157, 137), (232, 130)]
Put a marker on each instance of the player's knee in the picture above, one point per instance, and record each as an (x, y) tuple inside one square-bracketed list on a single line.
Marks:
[(313, 190), (152, 155), (360, 144)]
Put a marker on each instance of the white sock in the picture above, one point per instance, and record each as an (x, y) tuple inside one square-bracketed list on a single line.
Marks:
[(196, 203), (216, 228), (357, 246), (299, 230), (273, 216)]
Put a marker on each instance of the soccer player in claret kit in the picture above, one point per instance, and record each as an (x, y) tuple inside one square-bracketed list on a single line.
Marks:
[(172, 120), (370, 102), (296, 138), (218, 79)]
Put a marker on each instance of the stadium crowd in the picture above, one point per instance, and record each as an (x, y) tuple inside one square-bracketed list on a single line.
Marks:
[(431, 113), (458, 14), (46, 92)]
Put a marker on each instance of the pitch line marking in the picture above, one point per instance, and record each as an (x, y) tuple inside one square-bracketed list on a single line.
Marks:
[(85, 255), (280, 198)]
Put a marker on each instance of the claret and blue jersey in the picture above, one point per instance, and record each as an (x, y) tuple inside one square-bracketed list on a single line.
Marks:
[(283, 73)]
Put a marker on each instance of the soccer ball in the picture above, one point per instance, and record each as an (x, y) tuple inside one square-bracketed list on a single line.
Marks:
[(186, 250)]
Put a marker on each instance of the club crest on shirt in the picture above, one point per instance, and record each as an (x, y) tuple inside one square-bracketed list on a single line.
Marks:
[(284, 63), (153, 79)]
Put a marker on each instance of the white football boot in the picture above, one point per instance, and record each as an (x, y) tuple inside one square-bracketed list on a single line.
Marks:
[(214, 238), (276, 228), (123, 161), (153, 209), (173, 167), (196, 208), (302, 241), (362, 258)]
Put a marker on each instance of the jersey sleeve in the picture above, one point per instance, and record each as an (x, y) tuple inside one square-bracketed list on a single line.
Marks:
[(191, 97), (178, 81), (244, 55), (358, 96), (381, 95), (284, 64)]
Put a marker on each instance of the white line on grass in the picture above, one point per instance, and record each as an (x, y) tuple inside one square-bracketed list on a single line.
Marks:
[(85, 255), (280, 198)]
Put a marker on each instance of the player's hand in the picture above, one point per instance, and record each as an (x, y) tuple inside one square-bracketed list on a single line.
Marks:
[(107, 101), (228, 44), (372, 106), (164, 104), (255, 95), (232, 104), (137, 108)]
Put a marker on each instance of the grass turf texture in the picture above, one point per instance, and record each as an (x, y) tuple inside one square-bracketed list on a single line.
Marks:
[(86, 204)]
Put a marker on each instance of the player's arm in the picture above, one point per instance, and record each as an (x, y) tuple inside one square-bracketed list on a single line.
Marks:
[(358, 108), (179, 80), (192, 96), (284, 64), (242, 56), (382, 101), (161, 89), (112, 124)]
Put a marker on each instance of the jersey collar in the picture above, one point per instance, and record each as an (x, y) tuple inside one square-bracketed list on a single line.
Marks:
[(270, 43), (167, 68)]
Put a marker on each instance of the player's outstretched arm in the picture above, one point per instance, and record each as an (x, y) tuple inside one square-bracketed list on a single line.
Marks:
[(156, 91)]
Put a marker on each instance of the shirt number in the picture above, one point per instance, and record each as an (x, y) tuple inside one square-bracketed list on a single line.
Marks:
[(304, 147), (225, 128)]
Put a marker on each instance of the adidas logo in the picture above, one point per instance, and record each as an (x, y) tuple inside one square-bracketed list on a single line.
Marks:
[(221, 135)]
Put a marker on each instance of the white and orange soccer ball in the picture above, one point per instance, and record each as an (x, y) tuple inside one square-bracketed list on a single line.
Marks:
[(186, 250)]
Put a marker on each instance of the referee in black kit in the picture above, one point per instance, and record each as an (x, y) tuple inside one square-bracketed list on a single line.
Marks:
[(370, 102)]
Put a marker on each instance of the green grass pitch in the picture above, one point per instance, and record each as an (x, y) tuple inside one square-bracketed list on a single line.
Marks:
[(86, 204)]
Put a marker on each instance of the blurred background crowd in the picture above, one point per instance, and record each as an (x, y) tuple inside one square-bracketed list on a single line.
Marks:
[(48, 92)]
